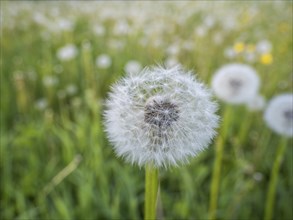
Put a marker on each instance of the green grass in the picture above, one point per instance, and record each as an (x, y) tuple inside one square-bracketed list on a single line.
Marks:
[(56, 163)]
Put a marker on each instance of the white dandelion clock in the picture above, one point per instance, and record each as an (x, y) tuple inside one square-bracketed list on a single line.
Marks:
[(279, 114), (160, 116), (103, 61), (236, 83), (67, 52), (264, 46)]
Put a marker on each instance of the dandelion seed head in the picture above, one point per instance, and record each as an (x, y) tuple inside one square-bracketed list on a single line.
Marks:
[(41, 104), (235, 83), (279, 114), (71, 89), (264, 46), (67, 52), (160, 116), (50, 81), (103, 61)]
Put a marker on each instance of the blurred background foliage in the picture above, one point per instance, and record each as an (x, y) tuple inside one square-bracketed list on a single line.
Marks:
[(58, 60)]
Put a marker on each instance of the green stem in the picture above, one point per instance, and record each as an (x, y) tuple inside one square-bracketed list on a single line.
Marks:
[(217, 164), (273, 181), (151, 191)]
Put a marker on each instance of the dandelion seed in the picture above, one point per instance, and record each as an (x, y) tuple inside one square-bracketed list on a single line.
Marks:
[(67, 52), (235, 83), (160, 116), (279, 114)]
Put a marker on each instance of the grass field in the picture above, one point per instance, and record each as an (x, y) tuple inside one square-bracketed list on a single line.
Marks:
[(58, 60)]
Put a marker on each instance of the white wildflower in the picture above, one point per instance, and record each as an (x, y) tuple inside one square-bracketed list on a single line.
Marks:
[(188, 45), (132, 66), (103, 61), (258, 176), (67, 52), (250, 57), (121, 28), (236, 83), (230, 53), (116, 44), (218, 38), (86, 45), (99, 30), (209, 21), (41, 104), (160, 116), (71, 89), (279, 114), (201, 31), (264, 46), (256, 103), (65, 24), (50, 81)]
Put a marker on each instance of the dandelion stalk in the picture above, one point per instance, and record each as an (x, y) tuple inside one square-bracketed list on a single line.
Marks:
[(151, 192), (273, 181), (217, 166)]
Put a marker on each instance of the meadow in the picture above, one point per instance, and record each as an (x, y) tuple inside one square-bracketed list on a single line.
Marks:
[(58, 62)]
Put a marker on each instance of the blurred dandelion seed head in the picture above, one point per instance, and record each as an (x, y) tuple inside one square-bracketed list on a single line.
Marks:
[(264, 46), (160, 116), (68, 52), (132, 66), (235, 83), (103, 61), (279, 114)]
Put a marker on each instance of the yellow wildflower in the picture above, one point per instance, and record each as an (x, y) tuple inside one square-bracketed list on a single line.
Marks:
[(238, 47), (266, 58)]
